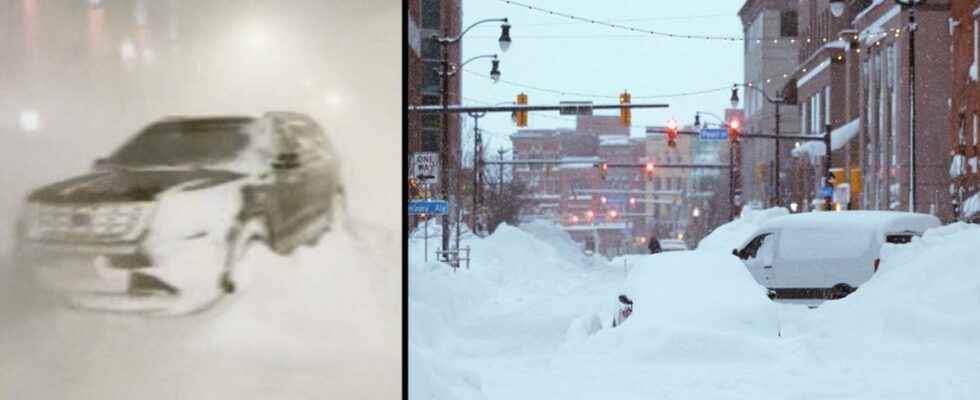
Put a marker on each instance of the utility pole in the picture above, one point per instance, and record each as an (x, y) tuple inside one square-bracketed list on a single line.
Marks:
[(912, 183), (500, 174), (826, 169), (444, 149), (477, 168), (777, 194)]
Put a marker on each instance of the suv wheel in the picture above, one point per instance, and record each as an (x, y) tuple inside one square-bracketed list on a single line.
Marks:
[(243, 236)]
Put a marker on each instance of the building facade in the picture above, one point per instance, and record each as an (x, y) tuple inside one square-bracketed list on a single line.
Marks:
[(964, 123), (427, 19), (771, 42), (886, 154)]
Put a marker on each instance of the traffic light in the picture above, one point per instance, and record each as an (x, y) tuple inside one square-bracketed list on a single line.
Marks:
[(672, 133), (624, 112), (602, 199), (603, 170), (649, 171), (521, 116), (734, 130), (613, 214), (589, 215)]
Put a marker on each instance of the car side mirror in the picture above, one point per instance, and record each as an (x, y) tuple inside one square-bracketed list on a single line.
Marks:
[(100, 164), (286, 161), (735, 252)]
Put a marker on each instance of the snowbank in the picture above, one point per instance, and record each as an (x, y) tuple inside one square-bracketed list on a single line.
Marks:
[(925, 293), (735, 233), (511, 269), (688, 306)]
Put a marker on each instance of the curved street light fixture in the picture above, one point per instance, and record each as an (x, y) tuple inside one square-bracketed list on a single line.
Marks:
[(444, 158), (776, 102), (504, 33), (494, 69)]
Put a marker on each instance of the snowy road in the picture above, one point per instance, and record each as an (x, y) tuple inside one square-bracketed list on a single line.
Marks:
[(521, 324), (322, 323)]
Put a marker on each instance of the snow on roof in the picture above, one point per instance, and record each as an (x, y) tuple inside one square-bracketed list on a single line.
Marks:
[(534, 133), (874, 31), (880, 221), (614, 140), (612, 225), (867, 9), (838, 137), (958, 165)]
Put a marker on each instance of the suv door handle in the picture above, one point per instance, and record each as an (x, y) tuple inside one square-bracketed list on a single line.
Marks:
[(768, 267)]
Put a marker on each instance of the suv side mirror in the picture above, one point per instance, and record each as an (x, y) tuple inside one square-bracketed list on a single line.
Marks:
[(100, 163), (735, 252), (286, 161)]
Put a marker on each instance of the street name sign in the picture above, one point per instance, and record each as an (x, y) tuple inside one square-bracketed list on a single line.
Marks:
[(713, 134), (430, 207)]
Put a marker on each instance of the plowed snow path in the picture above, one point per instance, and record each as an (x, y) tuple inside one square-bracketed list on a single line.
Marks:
[(322, 323)]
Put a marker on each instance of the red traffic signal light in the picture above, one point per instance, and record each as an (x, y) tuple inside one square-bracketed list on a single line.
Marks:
[(672, 133), (589, 215), (613, 214), (603, 170), (602, 199), (649, 171), (734, 131)]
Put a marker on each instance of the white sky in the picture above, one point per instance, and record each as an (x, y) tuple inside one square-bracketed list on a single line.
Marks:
[(557, 53)]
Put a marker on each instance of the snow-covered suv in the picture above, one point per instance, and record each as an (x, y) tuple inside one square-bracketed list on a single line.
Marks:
[(161, 225)]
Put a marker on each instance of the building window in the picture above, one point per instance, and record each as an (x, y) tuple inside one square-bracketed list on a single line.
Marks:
[(431, 14), (788, 24), (975, 133), (976, 45)]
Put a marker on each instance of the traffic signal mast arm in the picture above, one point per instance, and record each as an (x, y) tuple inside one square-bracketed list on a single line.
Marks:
[(436, 109), (802, 138)]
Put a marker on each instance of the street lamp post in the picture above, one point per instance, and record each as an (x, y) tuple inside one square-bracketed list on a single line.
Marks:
[(837, 9), (444, 42), (776, 103)]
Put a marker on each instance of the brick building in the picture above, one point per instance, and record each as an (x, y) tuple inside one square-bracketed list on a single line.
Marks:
[(615, 215), (882, 36), (428, 18), (770, 56), (964, 132)]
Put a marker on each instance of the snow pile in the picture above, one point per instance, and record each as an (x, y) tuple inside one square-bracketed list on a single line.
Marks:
[(920, 313), (735, 233), (323, 322), (508, 270), (676, 320)]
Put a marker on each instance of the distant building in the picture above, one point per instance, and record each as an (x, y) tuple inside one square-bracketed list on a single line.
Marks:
[(771, 33), (618, 214)]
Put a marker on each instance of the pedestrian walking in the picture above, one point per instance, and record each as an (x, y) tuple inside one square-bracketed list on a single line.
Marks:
[(654, 245)]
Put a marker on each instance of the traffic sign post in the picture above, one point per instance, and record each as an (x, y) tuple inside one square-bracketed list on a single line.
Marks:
[(425, 165)]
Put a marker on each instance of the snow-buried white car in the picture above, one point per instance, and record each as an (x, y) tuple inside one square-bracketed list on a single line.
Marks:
[(162, 224)]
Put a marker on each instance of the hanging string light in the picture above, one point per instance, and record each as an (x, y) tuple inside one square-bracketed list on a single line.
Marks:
[(635, 29)]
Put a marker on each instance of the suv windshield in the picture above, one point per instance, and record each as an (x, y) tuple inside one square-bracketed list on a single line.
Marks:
[(179, 143)]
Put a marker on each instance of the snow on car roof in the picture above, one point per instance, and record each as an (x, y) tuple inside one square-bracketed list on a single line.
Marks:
[(881, 221)]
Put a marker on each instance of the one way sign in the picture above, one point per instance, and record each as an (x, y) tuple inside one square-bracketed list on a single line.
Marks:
[(425, 165)]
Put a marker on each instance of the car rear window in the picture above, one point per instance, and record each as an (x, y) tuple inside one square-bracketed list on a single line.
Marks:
[(815, 243)]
